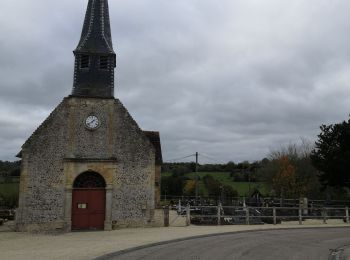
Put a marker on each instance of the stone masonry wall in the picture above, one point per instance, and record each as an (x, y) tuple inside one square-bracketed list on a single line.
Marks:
[(42, 181), (132, 201)]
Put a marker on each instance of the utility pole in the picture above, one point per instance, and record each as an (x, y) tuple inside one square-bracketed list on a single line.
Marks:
[(249, 172), (196, 170)]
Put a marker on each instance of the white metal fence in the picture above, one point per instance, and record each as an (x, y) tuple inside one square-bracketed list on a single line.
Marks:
[(231, 215)]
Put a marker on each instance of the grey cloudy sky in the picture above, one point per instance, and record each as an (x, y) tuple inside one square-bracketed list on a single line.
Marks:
[(231, 79)]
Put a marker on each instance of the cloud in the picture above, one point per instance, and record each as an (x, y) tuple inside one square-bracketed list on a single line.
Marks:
[(229, 79)]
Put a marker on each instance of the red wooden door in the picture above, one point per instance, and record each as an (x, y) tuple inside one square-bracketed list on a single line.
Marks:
[(88, 209)]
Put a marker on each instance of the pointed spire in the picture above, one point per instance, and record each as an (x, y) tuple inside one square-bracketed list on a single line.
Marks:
[(96, 33), (94, 55)]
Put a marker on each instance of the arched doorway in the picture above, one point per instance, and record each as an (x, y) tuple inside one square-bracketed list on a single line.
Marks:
[(89, 202)]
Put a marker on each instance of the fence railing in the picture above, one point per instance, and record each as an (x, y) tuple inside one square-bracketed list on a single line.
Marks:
[(231, 215), (251, 201)]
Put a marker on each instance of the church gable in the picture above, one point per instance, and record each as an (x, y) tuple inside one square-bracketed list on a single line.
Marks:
[(86, 142), (51, 124), (116, 135), (128, 129)]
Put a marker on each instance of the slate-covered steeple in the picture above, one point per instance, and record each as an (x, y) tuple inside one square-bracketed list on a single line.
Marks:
[(95, 59)]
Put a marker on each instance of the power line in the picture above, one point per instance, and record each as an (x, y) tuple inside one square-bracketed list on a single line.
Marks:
[(211, 158), (176, 159), (193, 155)]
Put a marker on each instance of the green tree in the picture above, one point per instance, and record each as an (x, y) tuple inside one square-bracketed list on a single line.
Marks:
[(229, 191), (331, 155), (173, 185), (190, 188), (290, 171), (284, 181), (212, 185), (230, 166), (217, 188), (9, 168)]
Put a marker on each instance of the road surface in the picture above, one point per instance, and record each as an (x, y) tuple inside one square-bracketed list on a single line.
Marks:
[(298, 244)]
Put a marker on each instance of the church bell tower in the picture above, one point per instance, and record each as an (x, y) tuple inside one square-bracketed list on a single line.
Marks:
[(89, 166), (95, 58)]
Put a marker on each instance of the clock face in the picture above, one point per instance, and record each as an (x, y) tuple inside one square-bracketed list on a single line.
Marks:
[(92, 122)]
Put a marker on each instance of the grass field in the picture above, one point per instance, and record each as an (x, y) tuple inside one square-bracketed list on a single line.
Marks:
[(9, 189), (243, 188), (9, 195)]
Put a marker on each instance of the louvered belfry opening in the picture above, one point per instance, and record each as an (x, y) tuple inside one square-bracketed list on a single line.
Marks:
[(104, 62), (84, 61)]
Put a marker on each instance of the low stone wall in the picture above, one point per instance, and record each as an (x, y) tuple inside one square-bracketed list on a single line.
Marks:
[(42, 227)]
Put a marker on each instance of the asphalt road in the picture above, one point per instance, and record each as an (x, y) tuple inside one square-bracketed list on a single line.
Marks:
[(298, 244)]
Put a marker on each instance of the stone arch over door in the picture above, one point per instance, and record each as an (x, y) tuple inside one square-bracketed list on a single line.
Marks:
[(88, 201)]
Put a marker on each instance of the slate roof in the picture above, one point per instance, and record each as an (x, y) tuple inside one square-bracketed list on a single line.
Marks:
[(155, 140), (96, 34), (95, 58)]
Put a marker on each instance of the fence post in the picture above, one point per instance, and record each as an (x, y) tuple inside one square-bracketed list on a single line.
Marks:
[(247, 215), (188, 215), (219, 214), (324, 215), (166, 216), (274, 215), (347, 214), (300, 217), (305, 206)]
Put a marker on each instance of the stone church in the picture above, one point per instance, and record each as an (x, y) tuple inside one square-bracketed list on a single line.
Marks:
[(89, 166)]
